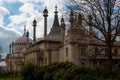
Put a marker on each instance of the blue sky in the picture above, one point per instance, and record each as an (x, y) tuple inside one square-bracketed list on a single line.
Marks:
[(13, 9), (15, 14)]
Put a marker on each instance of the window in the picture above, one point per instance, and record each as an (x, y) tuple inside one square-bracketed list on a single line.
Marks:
[(45, 60), (66, 52), (106, 51), (83, 52), (96, 50), (115, 51)]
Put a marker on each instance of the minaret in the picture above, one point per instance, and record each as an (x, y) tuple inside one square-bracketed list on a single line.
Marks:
[(71, 18), (24, 29), (10, 48), (56, 22), (45, 22), (80, 19), (34, 30), (55, 16), (62, 30), (90, 23), (27, 35), (90, 28), (56, 12)]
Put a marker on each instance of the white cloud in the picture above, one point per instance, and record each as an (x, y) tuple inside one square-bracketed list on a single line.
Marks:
[(26, 16), (28, 1), (28, 8), (17, 19), (2, 63), (28, 11), (6, 37), (9, 1), (6, 32), (3, 11)]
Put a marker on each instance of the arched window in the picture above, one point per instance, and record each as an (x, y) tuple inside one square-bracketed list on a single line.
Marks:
[(83, 51), (96, 50), (45, 60), (66, 51), (115, 51)]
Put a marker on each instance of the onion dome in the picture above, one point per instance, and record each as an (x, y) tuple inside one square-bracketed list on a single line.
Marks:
[(21, 43)]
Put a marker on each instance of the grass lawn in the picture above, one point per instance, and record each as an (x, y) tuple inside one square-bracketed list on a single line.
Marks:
[(10, 79)]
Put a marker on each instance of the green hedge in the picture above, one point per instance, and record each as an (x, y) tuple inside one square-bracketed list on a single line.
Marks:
[(10, 78), (67, 71)]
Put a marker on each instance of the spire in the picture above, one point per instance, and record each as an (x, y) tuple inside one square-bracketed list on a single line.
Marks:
[(34, 22), (62, 21), (56, 22), (45, 7), (71, 17), (24, 29), (27, 35), (45, 12), (56, 12), (55, 31)]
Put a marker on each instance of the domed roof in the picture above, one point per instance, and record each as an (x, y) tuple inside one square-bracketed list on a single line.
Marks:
[(21, 43), (23, 39)]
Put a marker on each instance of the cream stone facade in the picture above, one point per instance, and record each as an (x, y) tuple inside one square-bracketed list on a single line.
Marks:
[(77, 45), (16, 57)]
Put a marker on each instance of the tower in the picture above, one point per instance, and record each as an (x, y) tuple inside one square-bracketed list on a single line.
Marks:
[(27, 35), (90, 28), (10, 46), (80, 19), (45, 14), (34, 30), (71, 18), (62, 30), (56, 12), (55, 32), (24, 29)]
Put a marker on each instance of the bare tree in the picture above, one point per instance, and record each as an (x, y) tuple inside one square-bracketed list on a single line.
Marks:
[(105, 19)]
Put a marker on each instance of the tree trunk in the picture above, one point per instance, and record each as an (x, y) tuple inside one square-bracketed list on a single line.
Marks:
[(110, 58)]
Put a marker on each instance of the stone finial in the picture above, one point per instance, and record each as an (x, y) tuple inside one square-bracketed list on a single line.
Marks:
[(71, 16), (24, 29), (45, 12), (34, 22)]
